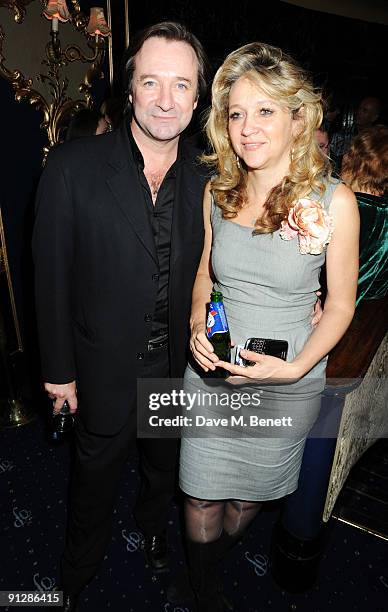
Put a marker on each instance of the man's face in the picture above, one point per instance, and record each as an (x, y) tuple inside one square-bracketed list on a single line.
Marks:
[(323, 141), (164, 88), (367, 112)]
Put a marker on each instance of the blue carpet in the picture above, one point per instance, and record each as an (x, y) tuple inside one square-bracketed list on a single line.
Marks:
[(33, 483)]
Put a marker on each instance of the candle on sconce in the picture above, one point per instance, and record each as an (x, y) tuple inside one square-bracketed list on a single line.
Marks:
[(55, 24)]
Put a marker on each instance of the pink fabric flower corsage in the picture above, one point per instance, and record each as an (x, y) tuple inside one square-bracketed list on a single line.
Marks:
[(311, 223)]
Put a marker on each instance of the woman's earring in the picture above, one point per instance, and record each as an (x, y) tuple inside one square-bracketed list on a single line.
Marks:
[(292, 154), (238, 162)]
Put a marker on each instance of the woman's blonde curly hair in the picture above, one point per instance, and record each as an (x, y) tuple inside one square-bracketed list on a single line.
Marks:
[(290, 86)]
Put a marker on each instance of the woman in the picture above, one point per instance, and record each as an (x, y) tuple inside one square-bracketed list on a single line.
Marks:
[(269, 213), (365, 170)]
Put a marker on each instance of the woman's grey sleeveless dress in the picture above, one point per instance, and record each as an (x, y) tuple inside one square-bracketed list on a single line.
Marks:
[(269, 292)]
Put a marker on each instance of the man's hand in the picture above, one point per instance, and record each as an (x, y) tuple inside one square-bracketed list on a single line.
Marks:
[(317, 312), (61, 393)]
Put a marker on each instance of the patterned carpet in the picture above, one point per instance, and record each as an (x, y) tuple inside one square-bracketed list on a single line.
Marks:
[(33, 481)]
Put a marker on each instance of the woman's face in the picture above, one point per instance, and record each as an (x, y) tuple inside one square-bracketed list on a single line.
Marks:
[(260, 130)]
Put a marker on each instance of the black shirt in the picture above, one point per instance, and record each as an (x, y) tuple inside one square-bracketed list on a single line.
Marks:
[(160, 216)]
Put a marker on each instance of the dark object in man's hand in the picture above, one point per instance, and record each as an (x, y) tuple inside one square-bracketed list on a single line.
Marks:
[(62, 423)]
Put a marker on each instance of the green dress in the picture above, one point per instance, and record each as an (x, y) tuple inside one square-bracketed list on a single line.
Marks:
[(373, 275)]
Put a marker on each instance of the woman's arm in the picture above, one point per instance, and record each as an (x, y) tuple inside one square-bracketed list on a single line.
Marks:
[(200, 346), (342, 274)]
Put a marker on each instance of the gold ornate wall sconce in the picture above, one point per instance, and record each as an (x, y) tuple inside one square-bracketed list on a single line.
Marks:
[(96, 27), (53, 71)]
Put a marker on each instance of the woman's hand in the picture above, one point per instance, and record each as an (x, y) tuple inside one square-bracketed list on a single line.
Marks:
[(202, 349), (267, 369)]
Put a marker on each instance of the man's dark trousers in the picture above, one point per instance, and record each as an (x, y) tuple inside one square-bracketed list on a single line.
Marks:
[(99, 462)]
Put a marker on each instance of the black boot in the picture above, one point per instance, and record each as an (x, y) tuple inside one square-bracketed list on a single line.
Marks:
[(181, 591), (202, 562), (295, 562)]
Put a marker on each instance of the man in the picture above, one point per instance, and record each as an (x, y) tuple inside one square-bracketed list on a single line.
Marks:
[(366, 115), (367, 112), (322, 137), (117, 242)]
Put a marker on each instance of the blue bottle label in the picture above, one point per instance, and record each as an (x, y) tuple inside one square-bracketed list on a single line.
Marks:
[(216, 319)]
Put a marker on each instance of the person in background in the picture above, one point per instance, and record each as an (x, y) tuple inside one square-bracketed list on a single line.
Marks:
[(112, 110), (322, 135), (272, 215), (365, 115), (322, 138), (333, 105), (365, 170), (86, 122)]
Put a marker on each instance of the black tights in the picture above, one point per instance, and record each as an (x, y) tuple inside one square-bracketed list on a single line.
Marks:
[(205, 520)]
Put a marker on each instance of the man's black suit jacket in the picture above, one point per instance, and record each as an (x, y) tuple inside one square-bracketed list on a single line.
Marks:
[(96, 271)]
